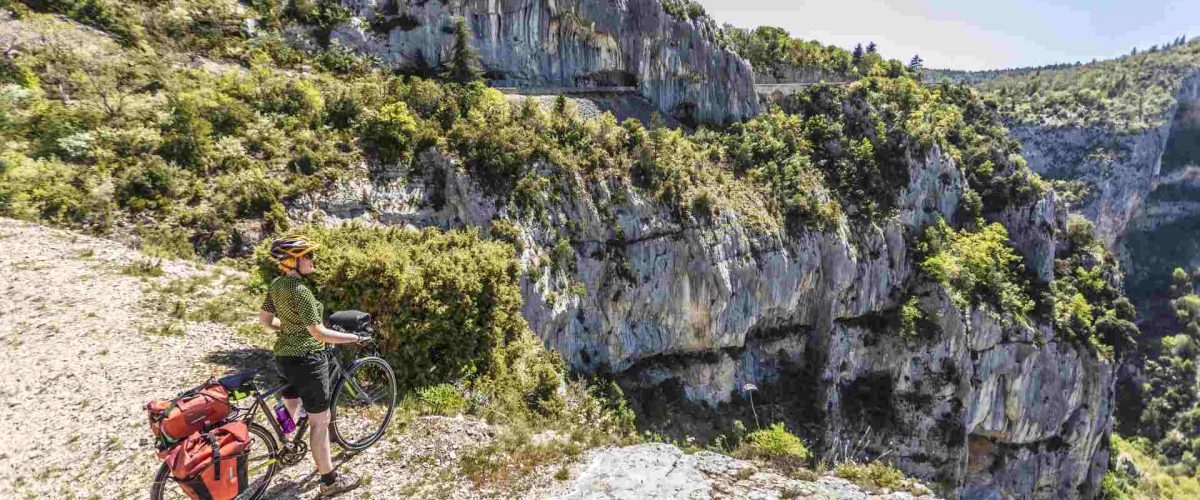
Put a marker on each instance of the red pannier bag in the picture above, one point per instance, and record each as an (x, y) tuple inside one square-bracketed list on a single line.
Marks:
[(212, 465), (193, 411)]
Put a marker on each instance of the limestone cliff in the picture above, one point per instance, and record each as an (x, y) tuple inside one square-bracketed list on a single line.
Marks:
[(675, 63), (685, 312), (1142, 189)]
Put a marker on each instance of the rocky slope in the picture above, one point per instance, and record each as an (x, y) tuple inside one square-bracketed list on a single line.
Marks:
[(686, 312), (673, 62), (1141, 188)]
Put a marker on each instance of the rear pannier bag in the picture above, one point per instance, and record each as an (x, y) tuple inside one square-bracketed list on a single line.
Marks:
[(212, 465), (193, 411)]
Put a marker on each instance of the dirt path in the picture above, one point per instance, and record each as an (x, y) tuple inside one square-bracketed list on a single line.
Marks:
[(83, 353)]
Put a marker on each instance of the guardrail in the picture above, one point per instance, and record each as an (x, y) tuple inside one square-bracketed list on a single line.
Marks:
[(566, 90)]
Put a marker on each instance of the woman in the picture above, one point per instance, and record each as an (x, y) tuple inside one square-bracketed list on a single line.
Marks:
[(292, 311)]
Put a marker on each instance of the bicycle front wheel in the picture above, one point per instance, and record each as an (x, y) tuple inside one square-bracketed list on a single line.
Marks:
[(363, 402), (261, 466)]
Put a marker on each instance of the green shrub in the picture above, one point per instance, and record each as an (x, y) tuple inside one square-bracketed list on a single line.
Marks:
[(776, 441), (876, 476), (105, 15), (776, 446), (389, 134), (507, 231), (977, 267), (1129, 93), (52, 190), (913, 320), (772, 50), (1088, 305), (442, 399), (149, 186), (187, 134), (1156, 480)]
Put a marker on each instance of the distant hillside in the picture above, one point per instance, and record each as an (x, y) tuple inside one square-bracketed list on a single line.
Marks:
[(1129, 93), (970, 77)]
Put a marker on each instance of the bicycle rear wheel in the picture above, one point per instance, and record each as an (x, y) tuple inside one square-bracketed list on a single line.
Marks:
[(263, 462), (363, 403)]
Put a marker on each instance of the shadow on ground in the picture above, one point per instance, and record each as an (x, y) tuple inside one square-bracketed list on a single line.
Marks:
[(288, 487), (247, 358)]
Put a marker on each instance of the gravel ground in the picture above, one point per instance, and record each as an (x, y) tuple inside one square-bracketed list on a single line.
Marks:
[(77, 366)]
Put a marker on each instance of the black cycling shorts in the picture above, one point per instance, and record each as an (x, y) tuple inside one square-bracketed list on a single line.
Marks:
[(308, 379)]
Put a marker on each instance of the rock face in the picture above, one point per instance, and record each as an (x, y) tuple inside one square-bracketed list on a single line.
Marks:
[(674, 63), (686, 312), (664, 471), (1144, 189)]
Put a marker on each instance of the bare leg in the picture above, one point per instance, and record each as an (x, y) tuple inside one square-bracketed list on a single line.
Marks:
[(319, 441)]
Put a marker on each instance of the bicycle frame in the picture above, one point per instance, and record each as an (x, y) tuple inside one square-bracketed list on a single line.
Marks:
[(340, 374)]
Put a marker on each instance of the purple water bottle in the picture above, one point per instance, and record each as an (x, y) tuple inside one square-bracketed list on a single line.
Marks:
[(285, 418)]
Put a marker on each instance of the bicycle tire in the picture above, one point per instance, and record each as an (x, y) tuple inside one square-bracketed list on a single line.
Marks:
[(345, 388), (163, 483)]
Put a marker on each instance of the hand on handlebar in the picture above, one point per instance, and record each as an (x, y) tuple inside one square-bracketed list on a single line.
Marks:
[(364, 340)]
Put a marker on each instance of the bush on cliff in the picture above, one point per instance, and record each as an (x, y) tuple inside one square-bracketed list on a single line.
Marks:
[(977, 267), (1087, 304)]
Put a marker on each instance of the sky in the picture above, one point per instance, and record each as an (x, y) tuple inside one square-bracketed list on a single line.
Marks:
[(973, 34)]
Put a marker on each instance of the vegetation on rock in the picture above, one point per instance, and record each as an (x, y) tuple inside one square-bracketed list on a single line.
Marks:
[(777, 446), (1130, 93), (1134, 474), (772, 50), (977, 267), (1085, 298), (878, 476)]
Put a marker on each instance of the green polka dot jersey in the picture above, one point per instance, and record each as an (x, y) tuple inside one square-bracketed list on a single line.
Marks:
[(290, 300)]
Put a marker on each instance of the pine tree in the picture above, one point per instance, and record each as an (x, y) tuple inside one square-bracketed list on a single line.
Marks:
[(871, 49), (916, 63), (858, 53), (464, 59)]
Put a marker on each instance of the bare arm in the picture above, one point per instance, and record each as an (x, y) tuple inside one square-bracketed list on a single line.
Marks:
[(328, 336), (268, 321)]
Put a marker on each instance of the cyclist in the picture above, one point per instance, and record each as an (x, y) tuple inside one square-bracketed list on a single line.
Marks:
[(293, 312)]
